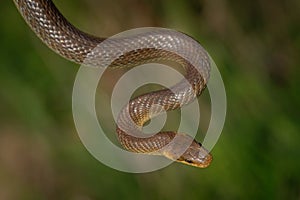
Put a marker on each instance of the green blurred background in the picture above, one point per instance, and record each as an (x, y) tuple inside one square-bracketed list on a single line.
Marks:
[(256, 46)]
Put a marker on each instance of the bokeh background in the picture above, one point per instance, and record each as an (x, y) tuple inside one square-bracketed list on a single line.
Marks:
[(256, 45)]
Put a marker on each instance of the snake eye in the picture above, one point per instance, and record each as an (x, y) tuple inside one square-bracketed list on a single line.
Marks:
[(199, 143), (188, 161)]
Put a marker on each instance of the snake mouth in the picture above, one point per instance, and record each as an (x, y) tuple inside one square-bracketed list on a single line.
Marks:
[(206, 161)]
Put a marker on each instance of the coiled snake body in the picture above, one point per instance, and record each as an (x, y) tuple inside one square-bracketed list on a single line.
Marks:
[(62, 37)]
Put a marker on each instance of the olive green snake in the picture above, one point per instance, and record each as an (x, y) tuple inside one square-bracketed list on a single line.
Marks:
[(62, 37)]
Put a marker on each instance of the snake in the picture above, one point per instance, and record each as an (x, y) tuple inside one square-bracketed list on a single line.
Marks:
[(47, 22)]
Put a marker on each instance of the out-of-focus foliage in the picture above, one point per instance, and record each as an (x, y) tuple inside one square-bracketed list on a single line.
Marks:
[(256, 45)]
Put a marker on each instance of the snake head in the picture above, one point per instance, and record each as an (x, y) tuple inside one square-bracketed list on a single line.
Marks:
[(195, 155)]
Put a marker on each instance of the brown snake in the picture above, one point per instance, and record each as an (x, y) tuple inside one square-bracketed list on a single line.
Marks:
[(62, 37)]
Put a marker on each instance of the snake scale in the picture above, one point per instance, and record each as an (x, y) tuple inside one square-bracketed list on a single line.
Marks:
[(62, 37)]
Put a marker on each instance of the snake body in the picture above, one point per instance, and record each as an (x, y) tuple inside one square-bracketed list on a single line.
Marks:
[(62, 37)]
